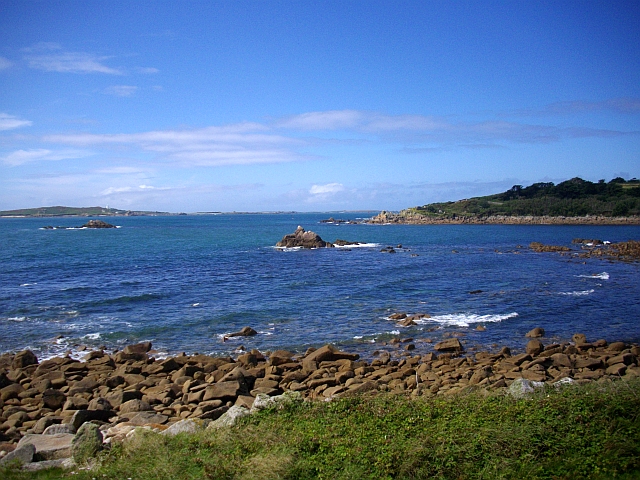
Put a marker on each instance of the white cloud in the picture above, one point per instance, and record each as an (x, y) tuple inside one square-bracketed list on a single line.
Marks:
[(8, 122), (5, 63), (239, 144), (329, 120), (120, 90), (20, 157), (328, 189), (49, 57)]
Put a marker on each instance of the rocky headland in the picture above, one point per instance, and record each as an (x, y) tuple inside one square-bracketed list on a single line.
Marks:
[(59, 409), (409, 217)]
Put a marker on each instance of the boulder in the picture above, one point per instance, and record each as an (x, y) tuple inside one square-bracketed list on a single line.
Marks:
[(229, 418), (49, 447), (21, 455), (138, 348), (224, 391), (135, 405), (579, 338), (183, 426), (522, 387), (534, 347), (245, 332), (83, 416), (302, 238), (535, 333), (451, 344), (24, 359), (86, 443)]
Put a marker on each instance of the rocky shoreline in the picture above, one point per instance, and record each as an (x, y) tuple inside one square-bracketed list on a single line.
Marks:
[(59, 409), (408, 217)]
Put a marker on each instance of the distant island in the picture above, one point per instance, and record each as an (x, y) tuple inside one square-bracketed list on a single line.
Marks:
[(59, 211), (573, 202)]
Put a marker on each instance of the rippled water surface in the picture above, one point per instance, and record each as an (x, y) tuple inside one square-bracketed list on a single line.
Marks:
[(183, 282)]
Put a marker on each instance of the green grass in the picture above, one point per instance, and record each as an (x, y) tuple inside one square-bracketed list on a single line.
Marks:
[(590, 431)]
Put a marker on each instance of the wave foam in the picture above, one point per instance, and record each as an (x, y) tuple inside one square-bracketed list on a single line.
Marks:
[(465, 319), (577, 293), (599, 276)]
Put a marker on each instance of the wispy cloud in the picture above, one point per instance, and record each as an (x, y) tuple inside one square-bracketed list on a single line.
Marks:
[(121, 90), (9, 122), (622, 105), (20, 157), (327, 189), (240, 144), (5, 63), (51, 57)]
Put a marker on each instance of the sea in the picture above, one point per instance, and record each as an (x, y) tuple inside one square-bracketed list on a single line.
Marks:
[(186, 282)]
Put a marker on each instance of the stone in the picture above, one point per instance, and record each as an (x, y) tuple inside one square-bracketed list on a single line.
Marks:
[(616, 347), (135, 405), (43, 423), (83, 386), (229, 418), (99, 404), (21, 455), (49, 447), (183, 426), (522, 387), (86, 443), (148, 417), (451, 344), (534, 347), (625, 358), (75, 403), (119, 397), (142, 347), (82, 416), (24, 359), (579, 338), (244, 332), (59, 428), (224, 391), (53, 398), (535, 333), (11, 391), (63, 463)]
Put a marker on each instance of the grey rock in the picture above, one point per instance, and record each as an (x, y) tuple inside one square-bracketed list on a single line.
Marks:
[(87, 443), (59, 428), (22, 455), (183, 426), (522, 387), (148, 417), (65, 463), (49, 447), (229, 418)]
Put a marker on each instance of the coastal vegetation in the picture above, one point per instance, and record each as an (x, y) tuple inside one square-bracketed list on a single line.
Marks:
[(572, 198), (586, 431)]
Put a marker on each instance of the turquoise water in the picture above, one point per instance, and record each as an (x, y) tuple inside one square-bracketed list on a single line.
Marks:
[(183, 282)]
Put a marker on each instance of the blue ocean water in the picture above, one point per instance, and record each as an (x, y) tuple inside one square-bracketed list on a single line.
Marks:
[(183, 282)]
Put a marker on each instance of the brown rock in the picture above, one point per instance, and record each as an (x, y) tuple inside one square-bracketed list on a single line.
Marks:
[(588, 362), (11, 391), (534, 347), (616, 347), (535, 333), (24, 359), (143, 347), (224, 391), (579, 338), (302, 238), (451, 344), (245, 332), (618, 369)]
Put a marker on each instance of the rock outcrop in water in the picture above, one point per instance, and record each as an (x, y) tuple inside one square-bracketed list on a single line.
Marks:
[(98, 224), (302, 238), (308, 239)]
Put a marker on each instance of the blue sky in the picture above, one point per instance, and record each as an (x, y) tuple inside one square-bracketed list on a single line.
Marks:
[(311, 106)]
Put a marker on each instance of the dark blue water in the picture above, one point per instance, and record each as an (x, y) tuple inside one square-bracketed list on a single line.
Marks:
[(183, 282)]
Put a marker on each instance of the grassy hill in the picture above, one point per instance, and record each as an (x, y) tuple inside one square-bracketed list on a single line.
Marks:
[(59, 211), (572, 198)]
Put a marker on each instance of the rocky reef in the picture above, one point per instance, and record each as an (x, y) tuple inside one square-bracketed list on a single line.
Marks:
[(302, 238)]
